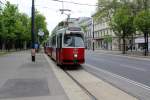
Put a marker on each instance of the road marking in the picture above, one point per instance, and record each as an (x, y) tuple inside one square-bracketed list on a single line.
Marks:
[(132, 67), (120, 77), (146, 59), (122, 65)]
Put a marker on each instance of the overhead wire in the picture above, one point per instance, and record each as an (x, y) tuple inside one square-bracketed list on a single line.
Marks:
[(62, 1), (74, 3), (1, 2)]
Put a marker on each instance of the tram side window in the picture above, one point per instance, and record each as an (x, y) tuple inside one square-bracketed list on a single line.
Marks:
[(49, 43), (59, 41), (54, 41)]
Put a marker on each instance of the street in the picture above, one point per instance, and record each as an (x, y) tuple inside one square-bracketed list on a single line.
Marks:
[(74, 50), (127, 72), (137, 70), (119, 76)]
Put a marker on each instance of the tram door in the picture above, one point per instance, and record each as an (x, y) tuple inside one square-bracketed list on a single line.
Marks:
[(59, 46)]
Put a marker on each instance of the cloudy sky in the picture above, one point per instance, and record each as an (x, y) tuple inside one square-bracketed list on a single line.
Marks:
[(50, 9)]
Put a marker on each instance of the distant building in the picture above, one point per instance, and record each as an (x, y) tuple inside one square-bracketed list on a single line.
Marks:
[(86, 24), (104, 36)]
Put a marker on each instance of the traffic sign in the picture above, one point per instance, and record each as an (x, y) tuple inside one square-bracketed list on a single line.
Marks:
[(40, 33)]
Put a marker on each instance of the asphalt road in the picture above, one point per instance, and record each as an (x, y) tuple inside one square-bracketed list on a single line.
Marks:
[(135, 71)]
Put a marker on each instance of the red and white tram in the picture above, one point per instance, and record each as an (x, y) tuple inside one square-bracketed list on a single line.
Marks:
[(67, 46)]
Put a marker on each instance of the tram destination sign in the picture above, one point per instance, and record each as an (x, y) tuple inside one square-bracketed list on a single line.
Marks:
[(74, 29)]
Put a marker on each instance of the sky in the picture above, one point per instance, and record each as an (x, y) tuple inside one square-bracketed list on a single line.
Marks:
[(50, 9)]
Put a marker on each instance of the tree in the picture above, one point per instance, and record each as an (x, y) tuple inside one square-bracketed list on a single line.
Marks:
[(84, 28), (22, 30), (108, 38), (9, 14), (142, 23), (40, 23), (1, 28), (122, 22), (106, 8), (15, 27)]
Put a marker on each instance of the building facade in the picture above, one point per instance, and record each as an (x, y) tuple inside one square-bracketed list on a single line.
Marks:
[(104, 36), (86, 25)]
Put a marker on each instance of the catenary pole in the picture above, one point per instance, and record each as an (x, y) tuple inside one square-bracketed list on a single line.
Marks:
[(33, 32)]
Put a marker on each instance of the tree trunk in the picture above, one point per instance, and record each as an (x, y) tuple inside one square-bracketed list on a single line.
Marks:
[(132, 42), (146, 44), (19, 44), (119, 45), (25, 45), (124, 45), (13, 45), (4, 45)]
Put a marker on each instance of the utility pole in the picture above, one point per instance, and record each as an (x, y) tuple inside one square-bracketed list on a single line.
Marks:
[(93, 33), (146, 33), (33, 32)]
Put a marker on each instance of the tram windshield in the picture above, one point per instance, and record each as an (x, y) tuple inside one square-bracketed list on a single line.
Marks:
[(73, 40)]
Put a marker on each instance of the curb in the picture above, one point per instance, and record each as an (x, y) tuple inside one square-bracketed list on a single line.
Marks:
[(72, 90)]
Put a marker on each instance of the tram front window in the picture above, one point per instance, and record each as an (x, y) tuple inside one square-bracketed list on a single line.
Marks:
[(73, 40)]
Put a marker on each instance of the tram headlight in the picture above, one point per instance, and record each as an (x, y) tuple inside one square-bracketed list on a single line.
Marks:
[(75, 55)]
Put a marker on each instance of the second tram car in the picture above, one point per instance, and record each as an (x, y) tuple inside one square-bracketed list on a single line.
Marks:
[(67, 46)]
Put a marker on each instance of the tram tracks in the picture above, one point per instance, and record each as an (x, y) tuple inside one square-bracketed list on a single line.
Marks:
[(96, 88), (80, 85)]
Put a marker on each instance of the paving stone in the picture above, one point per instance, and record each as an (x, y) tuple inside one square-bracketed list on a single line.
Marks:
[(24, 88)]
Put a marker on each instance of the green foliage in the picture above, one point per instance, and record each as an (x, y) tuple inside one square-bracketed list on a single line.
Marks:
[(106, 8), (122, 22), (16, 26), (61, 23), (23, 27), (40, 23), (84, 28), (1, 24), (125, 16), (142, 21), (108, 38), (9, 14)]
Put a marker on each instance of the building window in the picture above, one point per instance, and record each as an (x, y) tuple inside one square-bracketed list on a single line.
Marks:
[(103, 32)]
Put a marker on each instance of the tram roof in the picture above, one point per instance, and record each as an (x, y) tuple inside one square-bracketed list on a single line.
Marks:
[(71, 29)]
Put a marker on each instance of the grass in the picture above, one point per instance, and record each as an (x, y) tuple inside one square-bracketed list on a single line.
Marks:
[(5, 52)]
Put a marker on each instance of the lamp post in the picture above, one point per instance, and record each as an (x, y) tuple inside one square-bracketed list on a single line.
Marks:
[(93, 33), (33, 32)]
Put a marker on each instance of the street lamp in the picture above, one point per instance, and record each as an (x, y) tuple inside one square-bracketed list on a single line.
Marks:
[(93, 33), (33, 31)]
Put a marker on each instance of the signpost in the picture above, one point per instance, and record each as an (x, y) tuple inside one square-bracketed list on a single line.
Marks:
[(40, 33)]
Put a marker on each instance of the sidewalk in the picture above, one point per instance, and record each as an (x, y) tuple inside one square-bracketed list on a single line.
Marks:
[(21, 79)]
